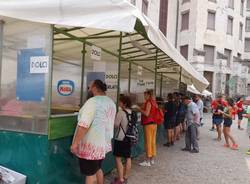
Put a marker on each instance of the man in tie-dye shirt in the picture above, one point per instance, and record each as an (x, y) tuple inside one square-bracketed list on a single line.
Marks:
[(94, 132)]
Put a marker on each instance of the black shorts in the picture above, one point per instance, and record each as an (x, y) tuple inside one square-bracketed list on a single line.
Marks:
[(179, 120), (228, 122), (122, 149), (240, 117), (170, 123), (89, 167)]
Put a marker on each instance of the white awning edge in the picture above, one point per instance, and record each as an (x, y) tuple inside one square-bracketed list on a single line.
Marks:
[(193, 90), (117, 15)]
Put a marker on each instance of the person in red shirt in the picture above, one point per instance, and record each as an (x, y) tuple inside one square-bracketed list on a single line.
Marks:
[(214, 105), (240, 111)]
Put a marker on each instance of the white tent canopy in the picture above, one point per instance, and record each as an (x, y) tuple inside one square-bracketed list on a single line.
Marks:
[(193, 90), (206, 93), (117, 15)]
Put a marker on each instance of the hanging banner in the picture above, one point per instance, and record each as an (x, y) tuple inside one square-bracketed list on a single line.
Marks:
[(29, 86), (96, 53), (111, 78), (39, 64), (65, 87)]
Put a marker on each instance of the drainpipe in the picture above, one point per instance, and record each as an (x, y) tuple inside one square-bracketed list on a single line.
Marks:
[(177, 24)]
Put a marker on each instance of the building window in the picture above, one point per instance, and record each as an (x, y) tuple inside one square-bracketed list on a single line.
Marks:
[(211, 20), (185, 1), (184, 51), (241, 7), (133, 2), (230, 25), (231, 4), (185, 21), (145, 7), (247, 45), (228, 53), (240, 31), (209, 54), (163, 16), (248, 4), (248, 24), (209, 76)]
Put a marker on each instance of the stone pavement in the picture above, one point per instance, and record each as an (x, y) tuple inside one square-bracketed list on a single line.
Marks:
[(213, 165)]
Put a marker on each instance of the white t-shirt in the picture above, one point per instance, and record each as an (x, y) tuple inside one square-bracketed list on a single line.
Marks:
[(98, 115)]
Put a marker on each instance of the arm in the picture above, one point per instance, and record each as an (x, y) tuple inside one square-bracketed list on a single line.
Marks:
[(80, 133), (230, 115), (246, 115), (147, 111), (118, 119)]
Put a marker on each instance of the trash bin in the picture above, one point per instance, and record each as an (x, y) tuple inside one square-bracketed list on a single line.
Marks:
[(8, 176)]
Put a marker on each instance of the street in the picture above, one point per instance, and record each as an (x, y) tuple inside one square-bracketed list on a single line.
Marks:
[(213, 165)]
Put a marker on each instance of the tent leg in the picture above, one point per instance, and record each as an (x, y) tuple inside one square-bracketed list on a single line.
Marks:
[(119, 70), (1, 48), (82, 74), (180, 80), (161, 85), (51, 71), (156, 60), (129, 76)]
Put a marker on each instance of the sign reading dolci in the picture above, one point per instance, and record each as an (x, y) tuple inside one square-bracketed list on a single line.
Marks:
[(65, 87)]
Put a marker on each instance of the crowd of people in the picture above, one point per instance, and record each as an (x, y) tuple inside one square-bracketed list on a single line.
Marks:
[(98, 120)]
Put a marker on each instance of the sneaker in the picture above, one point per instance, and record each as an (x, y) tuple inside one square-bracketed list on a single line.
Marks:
[(248, 152), (117, 181), (152, 162), (211, 129), (194, 151), (234, 147), (145, 164), (226, 145), (166, 144), (185, 149)]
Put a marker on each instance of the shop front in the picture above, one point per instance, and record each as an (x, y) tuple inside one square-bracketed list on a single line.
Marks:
[(45, 70)]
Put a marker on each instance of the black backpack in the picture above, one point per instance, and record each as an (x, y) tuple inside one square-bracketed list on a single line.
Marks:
[(132, 133)]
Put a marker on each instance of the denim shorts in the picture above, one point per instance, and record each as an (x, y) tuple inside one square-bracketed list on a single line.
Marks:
[(217, 121), (228, 122)]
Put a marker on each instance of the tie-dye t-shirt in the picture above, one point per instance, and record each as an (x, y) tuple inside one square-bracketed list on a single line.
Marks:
[(98, 115)]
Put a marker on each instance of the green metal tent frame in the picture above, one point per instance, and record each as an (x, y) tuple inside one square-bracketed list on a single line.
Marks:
[(126, 48)]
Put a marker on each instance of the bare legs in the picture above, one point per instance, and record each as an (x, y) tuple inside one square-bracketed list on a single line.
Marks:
[(123, 171), (98, 177), (228, 136), (218, 128)]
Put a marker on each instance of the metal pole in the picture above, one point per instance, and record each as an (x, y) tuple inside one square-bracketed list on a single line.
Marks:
[(119, 70), (156, 59), (180, 79), (82, 74), (177, 23), (50, 71), (161, 85), (129, 76), (1, 50)]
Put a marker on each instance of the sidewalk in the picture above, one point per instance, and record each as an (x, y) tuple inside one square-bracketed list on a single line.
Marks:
[(213, 165)]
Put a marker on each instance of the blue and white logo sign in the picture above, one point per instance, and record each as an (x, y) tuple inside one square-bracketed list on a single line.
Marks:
[(65, 87)]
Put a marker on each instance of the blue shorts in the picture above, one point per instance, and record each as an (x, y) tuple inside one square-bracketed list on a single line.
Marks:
[(217, 121), (228, 122)]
